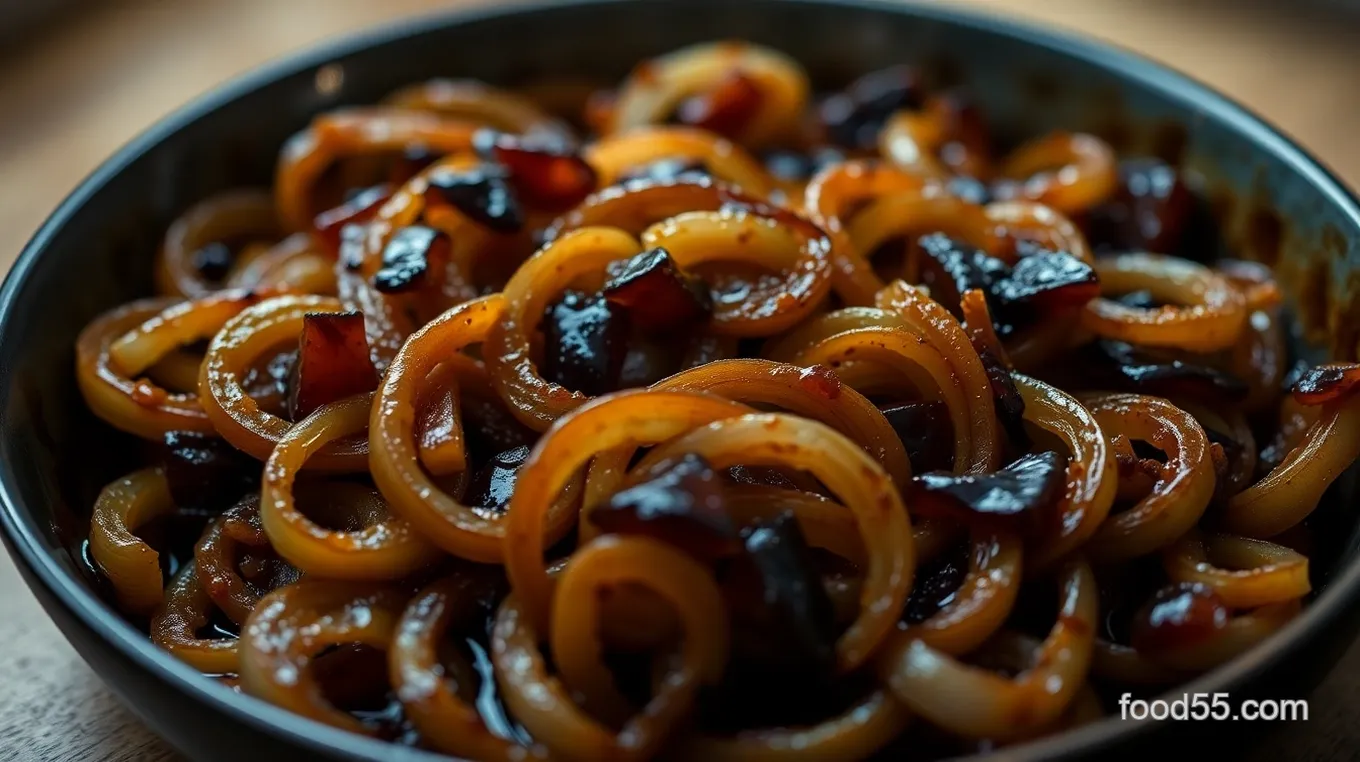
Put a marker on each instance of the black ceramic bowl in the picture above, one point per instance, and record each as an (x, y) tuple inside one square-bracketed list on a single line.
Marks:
[(1274, 201)]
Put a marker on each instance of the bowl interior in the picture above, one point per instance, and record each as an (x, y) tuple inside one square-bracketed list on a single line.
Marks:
[(1271, 204)]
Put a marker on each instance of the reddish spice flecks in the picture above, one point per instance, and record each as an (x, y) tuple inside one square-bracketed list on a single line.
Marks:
[(820, 380), (1326, 383), (658, 297), (1022, 497), (547, 172), (1179, 615), (333, 362), (724, 110), (682, 504), (359, 208)]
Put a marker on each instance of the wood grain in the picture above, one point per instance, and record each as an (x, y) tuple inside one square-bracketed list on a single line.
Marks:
[(71, 96)]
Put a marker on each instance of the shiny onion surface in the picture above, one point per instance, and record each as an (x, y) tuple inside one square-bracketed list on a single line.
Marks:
[(713, 418)]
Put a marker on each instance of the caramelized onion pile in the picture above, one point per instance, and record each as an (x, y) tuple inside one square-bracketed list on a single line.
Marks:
[(710, 418)]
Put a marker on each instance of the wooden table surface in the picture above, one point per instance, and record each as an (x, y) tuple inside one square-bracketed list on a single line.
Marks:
[(70, 96)]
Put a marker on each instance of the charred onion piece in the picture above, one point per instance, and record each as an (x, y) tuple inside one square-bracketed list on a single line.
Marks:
[(854, 118), (937, 581), (1147, 370), (481, 194), (547, 172), (411, 253), (1041, 280), (1149, 211), (681, 504), (788, 603), (495, 483), (926, 432), (1179, 615), (213, 261), (1021, 497), (1049, 279), (724, 110), (333, 362), (657, 296), (584, 338), (1010, 406), (952, 268), (329, 225), (204, 472), (1326, 383)]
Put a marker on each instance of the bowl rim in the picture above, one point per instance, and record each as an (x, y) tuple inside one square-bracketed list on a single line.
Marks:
[(29, 550)]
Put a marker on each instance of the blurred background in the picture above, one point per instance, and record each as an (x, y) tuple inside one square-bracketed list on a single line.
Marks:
[(78, 78)]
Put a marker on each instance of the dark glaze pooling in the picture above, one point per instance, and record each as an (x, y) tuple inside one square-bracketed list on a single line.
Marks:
[(1178, 615), (408, 258), (1022, 497), (683, 504), (204, 472), (585, 340)]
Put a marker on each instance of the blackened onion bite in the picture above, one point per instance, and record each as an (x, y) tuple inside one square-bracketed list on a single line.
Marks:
[(927, 433), (647, 299), (1040, 282), (1022, 497), (1325, 383), (853, 118), (585, 343), (333, 362), (546, 169), (1151, 209), (409, 257), (481, 193), (658, 297), (1162, 372), (682, 503)]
